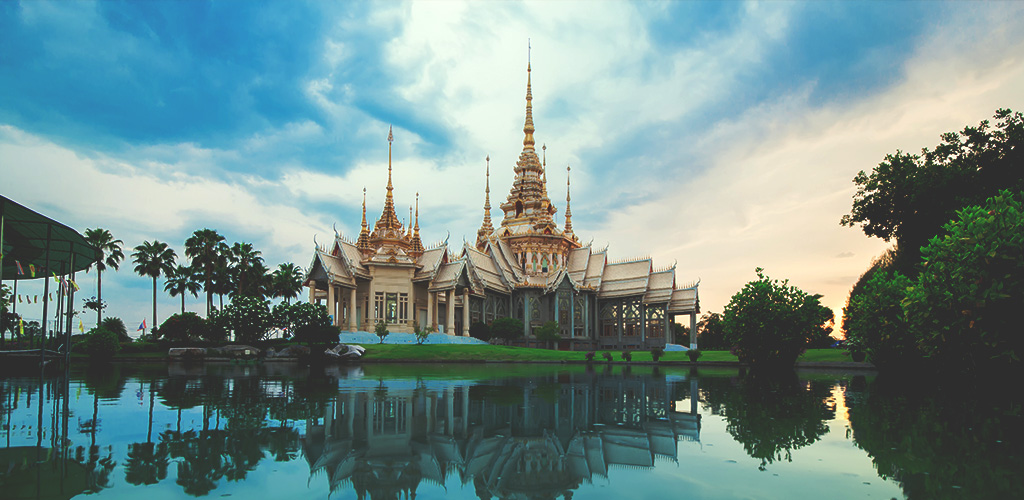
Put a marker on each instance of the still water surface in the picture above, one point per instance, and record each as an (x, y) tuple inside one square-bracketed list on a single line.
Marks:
[(498, 431)]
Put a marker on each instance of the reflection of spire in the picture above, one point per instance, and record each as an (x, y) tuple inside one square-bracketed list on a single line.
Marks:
[(486, 228), (568, 211)]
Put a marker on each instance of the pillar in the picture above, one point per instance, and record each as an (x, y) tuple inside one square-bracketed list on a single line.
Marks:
[(431, 304), (332, 308), (572, 314), (352, 310), (449, 329), (526, 317), (465, 312), (312, 293), (693, 330)]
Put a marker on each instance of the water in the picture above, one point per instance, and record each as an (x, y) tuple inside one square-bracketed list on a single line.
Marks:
[(498, 431)]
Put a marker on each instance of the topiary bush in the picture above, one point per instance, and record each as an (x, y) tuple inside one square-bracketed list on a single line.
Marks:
[(657, 353), (185, 328), (626, 355), (507, 328), (480, 330), (693, 354), (549, 332)]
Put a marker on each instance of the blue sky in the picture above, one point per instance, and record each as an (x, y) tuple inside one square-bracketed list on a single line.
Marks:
[(720, 136)]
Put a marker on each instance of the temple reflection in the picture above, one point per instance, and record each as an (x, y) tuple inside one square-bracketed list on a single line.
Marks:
[(523, 438)]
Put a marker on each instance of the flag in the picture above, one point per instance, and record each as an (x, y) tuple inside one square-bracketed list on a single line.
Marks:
[(19, 299), (142, 326), (21, 327), (74, 285), (21, 272), (37, 298), (81, 326), (32, 269), (55, 278)]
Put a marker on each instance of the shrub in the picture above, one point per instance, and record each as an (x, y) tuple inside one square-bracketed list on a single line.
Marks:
[(966, 302), (100, 344), (549, 332), (607, 356), (769, 322), (507, 328), (590, 356), (711, 332), (318, 334), (115, 325), (693, 354), (626, 355), (657, 353), (421, 335), (381, 329), (292, 317), (480, 330)]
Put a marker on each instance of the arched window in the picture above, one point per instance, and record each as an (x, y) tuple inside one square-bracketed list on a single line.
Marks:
[(519, 208), (544, 264)]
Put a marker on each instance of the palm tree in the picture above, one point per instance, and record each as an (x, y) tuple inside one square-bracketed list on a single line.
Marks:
[(112, 256), (154, 259), (287, 281), (181, 281), (248, 268), (204, 248)]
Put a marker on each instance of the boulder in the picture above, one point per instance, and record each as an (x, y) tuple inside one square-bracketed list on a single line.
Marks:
[(345, 352), (292, 351)]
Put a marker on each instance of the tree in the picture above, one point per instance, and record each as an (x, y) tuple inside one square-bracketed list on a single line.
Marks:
[(248, 317), (507, 328), (94, 304), (381, 329), (114, 324), (875, 323), (287, 281), (711, 332), (100, 344), (548, 332), (480, 330), (769, 322), (180, 281), (909, 197), (204, 249), (154, 259), (111, 255), (248, 269), (292, 317), (966, 301), (189, 327)]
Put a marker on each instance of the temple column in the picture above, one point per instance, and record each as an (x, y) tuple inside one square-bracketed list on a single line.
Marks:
[(572, 315), (332, 308), (352, 310), (411, 310), (371, 308), (312, 293), (465, 312), (693, 330), (449, 328), (431, 322), (643, 326)]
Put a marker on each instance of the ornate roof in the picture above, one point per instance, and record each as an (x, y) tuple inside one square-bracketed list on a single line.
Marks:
[(660, 285), (625, 278), (684, 301)]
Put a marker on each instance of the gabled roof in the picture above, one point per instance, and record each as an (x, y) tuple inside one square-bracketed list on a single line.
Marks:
[(659, 286), (684, 301), (625, 278), (508, 263), (484, 268), (352, 257), (448, 275), (579, 258), (326, 267), (430, 261)]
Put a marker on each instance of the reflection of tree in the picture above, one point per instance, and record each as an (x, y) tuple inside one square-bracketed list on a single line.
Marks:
[(98, 469), (146, 463), (941, 443), (772, 415), (202, 463)]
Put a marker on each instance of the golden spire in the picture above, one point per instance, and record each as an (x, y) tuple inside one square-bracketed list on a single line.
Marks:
[(415, 245), (528, 127), (568, 211), (388, 226), (486, 228), (391, 138), (408, 233), (544, 167), (364, 234), (417, 214)]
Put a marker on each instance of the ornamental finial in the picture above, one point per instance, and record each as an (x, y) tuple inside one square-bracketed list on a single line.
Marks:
[(568, 211), (528, 126)]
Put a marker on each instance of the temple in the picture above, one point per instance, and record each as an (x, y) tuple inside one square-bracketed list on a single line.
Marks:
[(528, 267)]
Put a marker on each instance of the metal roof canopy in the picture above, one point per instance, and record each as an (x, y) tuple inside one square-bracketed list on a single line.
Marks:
[(24, 236)]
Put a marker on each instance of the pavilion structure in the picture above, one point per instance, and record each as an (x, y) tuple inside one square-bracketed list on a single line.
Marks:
[(527, 267)]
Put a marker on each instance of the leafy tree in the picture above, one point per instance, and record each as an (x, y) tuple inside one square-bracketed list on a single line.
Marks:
[(189, 327), (711, 332), (287, 281), (115, 325), (769, 322), (93, 303), (248, 317), (112, 255), (680, 333), (204, 249), (381, 329), (421, 335), (248, 270), (507, 328), (966, 302), (180, 281), (876, 325), (154, 259), (480, 330), (909, 197), (292, 317), (549, 332)]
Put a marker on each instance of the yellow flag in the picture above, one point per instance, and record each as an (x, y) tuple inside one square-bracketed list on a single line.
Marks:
[(81, 326), (21, 327)]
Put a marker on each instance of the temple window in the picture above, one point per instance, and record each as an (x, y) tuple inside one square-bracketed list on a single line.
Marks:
[(378, 305)]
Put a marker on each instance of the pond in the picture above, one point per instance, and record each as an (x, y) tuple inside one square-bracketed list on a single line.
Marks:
[(498, 431)]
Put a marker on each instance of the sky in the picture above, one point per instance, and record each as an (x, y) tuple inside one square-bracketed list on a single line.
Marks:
[(714, 136)]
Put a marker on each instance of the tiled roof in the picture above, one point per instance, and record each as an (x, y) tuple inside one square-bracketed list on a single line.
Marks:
[(684, 301), (485, 269), (578, 260), (595, 269), (334, 267), (447, 276), (625, 278), (508, 263), (659, 286), (430, 260), (352, 256)]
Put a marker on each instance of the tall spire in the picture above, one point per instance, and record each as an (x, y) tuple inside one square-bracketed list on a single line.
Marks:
[(388, 226), (364, 234), (528, 126), (415, 245), (486, 228), (568, 211)]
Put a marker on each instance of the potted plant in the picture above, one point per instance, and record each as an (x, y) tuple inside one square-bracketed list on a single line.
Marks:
[(693, 354)]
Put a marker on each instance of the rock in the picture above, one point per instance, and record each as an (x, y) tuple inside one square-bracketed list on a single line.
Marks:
[(345, 352), (292, 351), (186, 353), (240, 351)]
